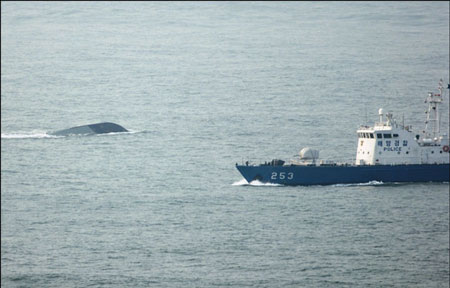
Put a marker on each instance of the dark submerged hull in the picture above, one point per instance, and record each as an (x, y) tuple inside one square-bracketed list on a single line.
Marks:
[(98, 128)]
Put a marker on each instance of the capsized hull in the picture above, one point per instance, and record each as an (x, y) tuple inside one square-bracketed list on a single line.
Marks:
[(98, 128), (345, 174)]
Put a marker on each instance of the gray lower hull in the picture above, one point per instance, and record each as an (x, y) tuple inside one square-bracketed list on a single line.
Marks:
[(98, 128)]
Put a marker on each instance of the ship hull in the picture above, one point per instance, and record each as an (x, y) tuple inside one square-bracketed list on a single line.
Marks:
[(345, 174)]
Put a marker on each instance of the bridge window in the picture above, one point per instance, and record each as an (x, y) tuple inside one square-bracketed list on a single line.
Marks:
[(388, 143), (380, 143), (371, 135), (379, 135), (405, 142), (397, 143), (387, 135), (395, 135)]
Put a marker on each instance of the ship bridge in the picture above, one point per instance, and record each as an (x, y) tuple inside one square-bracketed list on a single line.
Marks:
[(388, 142)]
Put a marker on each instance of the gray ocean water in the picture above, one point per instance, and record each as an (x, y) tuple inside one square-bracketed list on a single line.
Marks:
[(201, 86)]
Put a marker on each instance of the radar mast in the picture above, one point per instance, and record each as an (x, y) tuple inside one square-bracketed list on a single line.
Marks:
[(433, 116)]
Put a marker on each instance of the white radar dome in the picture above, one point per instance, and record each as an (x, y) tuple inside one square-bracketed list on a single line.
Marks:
[(308, 153), (380, 111)]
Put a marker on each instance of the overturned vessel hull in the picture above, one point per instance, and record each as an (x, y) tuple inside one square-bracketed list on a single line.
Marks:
[(98, 128)]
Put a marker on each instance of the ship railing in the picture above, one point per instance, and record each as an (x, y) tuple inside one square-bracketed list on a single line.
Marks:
[(340, 162)]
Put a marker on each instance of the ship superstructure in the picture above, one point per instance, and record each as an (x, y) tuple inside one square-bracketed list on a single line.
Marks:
[(389, 142)]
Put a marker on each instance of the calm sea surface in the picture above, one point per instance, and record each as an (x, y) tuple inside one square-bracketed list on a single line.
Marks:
[(201, 86)]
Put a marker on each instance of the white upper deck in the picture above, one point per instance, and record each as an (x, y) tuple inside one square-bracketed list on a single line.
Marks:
[(389, 142)]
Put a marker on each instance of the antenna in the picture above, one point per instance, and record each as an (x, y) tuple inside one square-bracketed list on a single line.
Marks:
[(380, 113), (365, 108), (448, 87)]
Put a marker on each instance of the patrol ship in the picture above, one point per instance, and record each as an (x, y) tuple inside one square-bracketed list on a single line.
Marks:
[(387, 152)]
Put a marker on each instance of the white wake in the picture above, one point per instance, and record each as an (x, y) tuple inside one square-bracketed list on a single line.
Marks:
[(27, 135), (41, 135), (244, 182), (370, 183)]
